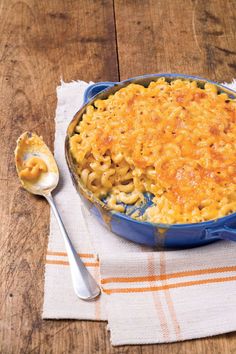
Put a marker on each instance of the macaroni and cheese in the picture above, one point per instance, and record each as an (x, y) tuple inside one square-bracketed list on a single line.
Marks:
[(174, 140), (33, 168)]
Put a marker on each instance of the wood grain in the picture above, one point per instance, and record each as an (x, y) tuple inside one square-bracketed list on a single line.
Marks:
[(42, 42), (191, 37)]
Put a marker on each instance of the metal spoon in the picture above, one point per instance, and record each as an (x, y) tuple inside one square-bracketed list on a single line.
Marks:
[(38, 173)]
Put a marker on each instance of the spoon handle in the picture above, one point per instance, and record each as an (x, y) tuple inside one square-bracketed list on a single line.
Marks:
[(84, 284)]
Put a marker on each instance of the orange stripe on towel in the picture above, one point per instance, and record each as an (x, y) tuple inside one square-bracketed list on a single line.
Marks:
[(157, 301), (87, 264), (168, 276), (168, 298), (169, 286), (64, 254)]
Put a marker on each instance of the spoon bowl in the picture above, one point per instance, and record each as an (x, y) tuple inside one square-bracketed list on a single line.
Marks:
[(30, 147)]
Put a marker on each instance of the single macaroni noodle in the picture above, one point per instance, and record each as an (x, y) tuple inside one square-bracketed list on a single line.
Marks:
[(175, 140), (33, 168)]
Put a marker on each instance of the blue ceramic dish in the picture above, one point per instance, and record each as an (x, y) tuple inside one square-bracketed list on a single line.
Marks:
[(150, 234)]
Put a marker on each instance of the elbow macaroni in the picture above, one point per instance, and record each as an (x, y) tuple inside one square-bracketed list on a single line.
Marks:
[(174, 140)]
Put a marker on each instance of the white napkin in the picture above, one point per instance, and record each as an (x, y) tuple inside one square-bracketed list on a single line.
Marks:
[(148, 296)]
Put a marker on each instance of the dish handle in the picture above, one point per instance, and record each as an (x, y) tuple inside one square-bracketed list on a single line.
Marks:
[(94, 89), (221, 232)]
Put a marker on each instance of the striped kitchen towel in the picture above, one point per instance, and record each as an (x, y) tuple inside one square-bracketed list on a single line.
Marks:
[(148, 296)]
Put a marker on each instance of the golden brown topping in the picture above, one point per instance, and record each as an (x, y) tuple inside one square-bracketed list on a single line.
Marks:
[(176, 141)]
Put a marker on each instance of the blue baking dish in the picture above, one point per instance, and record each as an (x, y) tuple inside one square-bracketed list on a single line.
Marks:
[(163, 236)]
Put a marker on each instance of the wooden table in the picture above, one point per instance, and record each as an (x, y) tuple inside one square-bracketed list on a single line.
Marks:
[(42, 42)]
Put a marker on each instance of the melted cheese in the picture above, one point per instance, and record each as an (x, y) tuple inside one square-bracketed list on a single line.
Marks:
[(176, 141)]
